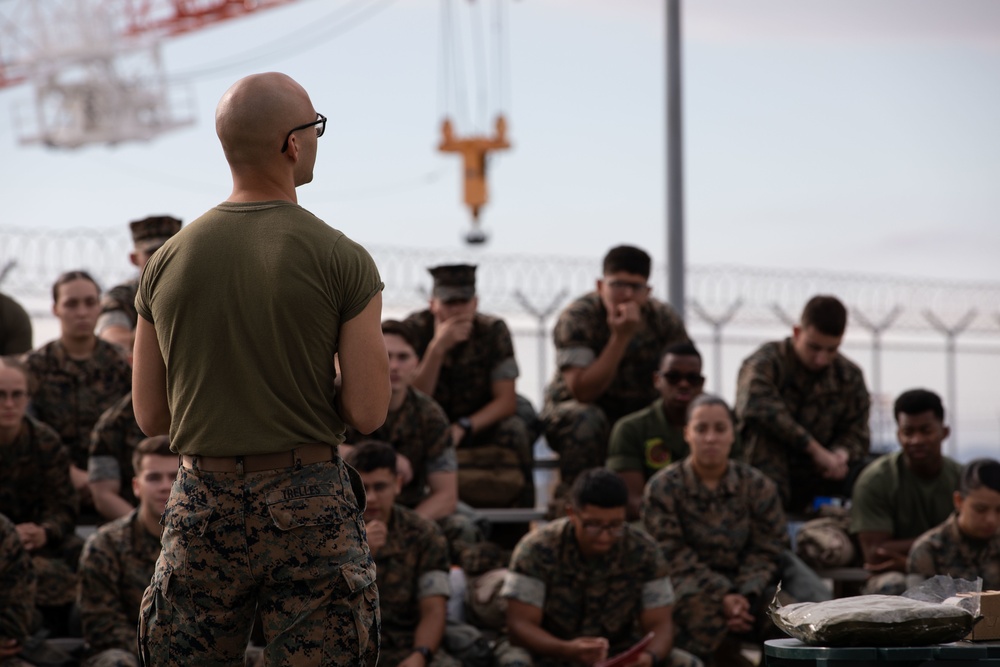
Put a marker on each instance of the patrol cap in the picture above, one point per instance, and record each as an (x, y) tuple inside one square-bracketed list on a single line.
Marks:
[(150, 233), (454, 282)]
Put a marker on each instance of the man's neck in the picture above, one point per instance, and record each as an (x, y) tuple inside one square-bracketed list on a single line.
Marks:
[(79, 348), (9, 435), (397, 398), (928, 470), (676, 414)]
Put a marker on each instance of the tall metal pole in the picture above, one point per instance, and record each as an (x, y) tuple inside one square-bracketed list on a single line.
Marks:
[(675, 162), (950, 335)]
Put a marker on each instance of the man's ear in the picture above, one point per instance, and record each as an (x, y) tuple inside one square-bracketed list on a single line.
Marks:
[(134, 258)]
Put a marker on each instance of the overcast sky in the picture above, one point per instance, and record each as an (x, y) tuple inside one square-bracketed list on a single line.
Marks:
[(839, 134)]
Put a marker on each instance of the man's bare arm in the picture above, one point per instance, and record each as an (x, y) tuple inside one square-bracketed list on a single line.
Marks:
[(107, 499), (363, 399), (659, 621), (149, 382), (443, 499), (503, 405)]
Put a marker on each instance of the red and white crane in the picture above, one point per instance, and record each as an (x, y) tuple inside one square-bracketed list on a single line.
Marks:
[(96, 65)]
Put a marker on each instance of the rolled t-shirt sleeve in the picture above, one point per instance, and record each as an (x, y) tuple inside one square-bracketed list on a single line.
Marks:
[(357, 277), (524, 589)]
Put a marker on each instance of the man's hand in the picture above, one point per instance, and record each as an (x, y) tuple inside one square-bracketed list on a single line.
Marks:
[(736, 608), (404, 469), (889, 561), (588, 650), (8, 648), (377, 534), (32, 536), (625, 319), (457, 434), (413, 660), (831, 465), (79, 479), (449, 333)]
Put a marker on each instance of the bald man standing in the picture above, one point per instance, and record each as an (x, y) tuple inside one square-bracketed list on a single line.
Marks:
[(241, 314)]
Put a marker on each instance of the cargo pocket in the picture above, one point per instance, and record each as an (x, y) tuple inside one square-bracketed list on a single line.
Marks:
[(313, 517), (360, 579), (155, 621)]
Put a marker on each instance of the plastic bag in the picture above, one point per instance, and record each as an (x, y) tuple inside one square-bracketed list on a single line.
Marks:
[(876, 620)]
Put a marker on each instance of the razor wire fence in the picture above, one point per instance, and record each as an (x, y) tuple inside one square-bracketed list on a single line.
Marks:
[(895, 321)]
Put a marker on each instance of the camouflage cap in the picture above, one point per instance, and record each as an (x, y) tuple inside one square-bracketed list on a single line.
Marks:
[(454, 282), (150, 233)]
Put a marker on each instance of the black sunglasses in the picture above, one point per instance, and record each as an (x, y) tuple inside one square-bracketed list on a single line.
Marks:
[(320, 124), (675, 377)]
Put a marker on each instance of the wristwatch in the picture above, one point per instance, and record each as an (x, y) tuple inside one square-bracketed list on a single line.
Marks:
[(424, 651), (466, 424)]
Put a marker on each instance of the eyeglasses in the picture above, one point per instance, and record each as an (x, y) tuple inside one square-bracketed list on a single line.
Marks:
[(675, 378), (320, 124), (622, 285), (593, 529)]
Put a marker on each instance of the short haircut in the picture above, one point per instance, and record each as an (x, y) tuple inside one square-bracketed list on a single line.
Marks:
[(70, 276), (685, 349), (918, 401), (370, 455), (826, 314), (628, 259), (158, 445), (599, 487), (16, 364), (978, 474), (401, 329), (707, 400)]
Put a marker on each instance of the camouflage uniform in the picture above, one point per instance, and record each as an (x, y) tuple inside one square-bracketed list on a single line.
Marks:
[(18, 617), (601, 596), (282, 533), (944, 549), (727, 540), (420, 431), (412, 564), (645, 441), (72, 394), (889, 498), (115, 568), (465, 385), (118, 306), (781, 405), (118, 303), (578, 431), (112, 443), (35, 488)]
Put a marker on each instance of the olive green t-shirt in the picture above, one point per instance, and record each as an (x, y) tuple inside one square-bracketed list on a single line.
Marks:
[(889, 498), (248, 301)]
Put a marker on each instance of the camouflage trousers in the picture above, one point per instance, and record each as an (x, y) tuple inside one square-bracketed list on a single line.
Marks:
[(507, 655), (288, 544), (57, 581), (579, 433), (699, 621), (397, 646), (795, 474), (113, 657)]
